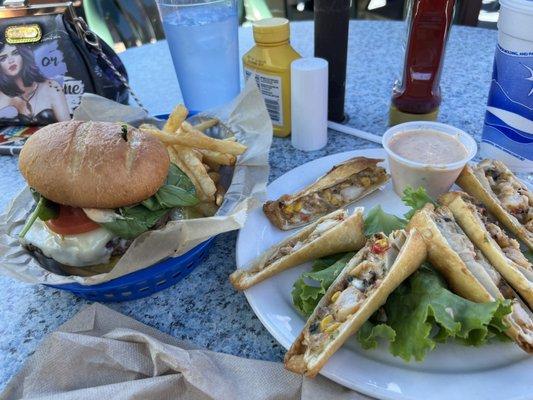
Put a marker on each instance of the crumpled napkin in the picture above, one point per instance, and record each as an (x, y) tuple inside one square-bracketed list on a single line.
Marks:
[(101, 354)]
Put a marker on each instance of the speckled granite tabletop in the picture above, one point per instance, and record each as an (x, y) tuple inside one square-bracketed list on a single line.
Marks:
[(203, 308)]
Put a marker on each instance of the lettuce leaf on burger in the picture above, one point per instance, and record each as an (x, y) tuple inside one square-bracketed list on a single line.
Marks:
[(97, 186)]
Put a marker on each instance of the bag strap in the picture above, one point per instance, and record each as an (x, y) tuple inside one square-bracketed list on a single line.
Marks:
[(93, 41)]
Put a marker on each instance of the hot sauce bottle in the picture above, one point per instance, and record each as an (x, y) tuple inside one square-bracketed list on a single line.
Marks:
[(417, 95)]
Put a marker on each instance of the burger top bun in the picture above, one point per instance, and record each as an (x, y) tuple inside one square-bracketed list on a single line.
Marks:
[(91, 164)]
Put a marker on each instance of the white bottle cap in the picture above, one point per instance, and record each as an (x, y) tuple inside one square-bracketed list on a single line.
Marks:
[(309, 103)]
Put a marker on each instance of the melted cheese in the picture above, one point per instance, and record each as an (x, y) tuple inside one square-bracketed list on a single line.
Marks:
[(352, 192), (101, 215), (326, 225), (76, 250)]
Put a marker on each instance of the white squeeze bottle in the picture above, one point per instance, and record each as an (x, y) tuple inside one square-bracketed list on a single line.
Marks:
[(508, 129)]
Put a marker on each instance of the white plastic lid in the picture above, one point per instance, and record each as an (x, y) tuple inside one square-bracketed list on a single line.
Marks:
[(309, 64), (523, 6)]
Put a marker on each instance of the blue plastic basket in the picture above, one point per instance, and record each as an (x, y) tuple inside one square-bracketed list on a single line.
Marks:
[(144, 282)]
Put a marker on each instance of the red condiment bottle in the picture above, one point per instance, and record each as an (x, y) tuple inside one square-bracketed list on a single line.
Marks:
[(417, 95)]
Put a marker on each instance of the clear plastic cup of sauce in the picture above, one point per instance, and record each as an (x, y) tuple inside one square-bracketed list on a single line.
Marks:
[(427, 154)]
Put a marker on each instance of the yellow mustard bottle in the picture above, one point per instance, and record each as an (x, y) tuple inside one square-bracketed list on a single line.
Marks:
[(270, 60)]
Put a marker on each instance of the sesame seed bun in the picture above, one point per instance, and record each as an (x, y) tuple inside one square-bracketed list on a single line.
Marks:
[(91, 165)]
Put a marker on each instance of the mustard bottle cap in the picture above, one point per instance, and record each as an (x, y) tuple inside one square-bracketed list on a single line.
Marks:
[(271, 30)]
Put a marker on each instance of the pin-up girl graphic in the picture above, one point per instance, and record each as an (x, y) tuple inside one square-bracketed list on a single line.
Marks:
[(26, 96)]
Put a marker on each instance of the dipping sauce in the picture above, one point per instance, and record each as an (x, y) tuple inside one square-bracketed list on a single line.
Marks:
[(428, 147), (427, 154)]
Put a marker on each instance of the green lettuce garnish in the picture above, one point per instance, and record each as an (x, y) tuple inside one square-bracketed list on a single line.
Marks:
[(133, 221), (423, 312), (416, 199), (178, 191), (44, 210), (420, 313), (378, 220), (306, 296)]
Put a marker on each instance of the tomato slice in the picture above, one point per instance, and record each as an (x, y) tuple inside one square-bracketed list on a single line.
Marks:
[(71, 221)]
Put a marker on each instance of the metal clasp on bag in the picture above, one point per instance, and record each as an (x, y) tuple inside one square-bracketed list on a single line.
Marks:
[(88, 36)]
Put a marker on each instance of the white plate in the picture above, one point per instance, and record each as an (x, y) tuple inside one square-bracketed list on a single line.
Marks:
[(495, 371)]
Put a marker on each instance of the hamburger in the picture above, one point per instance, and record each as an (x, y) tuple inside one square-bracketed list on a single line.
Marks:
[(97, 187)]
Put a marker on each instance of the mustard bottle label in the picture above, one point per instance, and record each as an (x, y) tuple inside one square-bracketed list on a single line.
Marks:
[(271, 88)]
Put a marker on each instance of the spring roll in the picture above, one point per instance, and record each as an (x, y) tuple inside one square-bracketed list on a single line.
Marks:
[(502, 251), (360, 289), (343, 185), (504, 195), (334, 233), (468, 272)]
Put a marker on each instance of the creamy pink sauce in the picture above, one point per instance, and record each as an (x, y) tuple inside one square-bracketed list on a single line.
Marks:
[(428, 147)]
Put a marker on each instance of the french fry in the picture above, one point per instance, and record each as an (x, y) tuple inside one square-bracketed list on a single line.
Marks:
[(173, 154), (147, 126), (215, 176), (185, 160), (198, 155), (176, 119), (198, 140), (213, 166), (206, 187), (165, 137), (207, 209), (218, 157), (208, 123), (176, 159), (219, 195)]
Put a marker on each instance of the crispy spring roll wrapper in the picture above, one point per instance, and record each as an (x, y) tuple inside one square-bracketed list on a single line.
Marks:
[(276, 211), (468, 272), (474, 181), (518, 273), (354, 296), (334, 233)]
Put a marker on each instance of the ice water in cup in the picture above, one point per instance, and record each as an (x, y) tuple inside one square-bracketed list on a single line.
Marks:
[(203, 41)]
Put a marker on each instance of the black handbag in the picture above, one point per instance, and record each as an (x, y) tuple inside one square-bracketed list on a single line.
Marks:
[(48, 59)]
